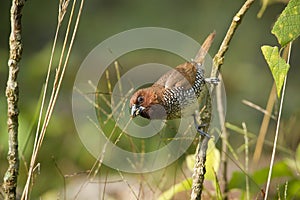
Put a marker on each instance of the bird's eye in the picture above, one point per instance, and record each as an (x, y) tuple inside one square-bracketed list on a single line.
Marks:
[(140, 99)]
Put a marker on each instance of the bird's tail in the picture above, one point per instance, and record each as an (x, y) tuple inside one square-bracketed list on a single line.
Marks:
[(199, 58)]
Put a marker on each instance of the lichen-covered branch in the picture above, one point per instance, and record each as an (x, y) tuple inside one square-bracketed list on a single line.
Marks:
[(200, 159), (199, 168), (12, 94)]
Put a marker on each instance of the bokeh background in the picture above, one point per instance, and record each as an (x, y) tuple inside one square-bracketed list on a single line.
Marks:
[(245, 73)]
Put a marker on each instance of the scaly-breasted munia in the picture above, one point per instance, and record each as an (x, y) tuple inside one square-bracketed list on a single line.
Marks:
[(174, 91), (171, 94)]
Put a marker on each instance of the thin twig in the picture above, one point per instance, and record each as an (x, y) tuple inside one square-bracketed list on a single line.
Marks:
[(12, 94), (286, 55), (63, 177), (224, 136), (219, 57), (129, 186), (257, 107)]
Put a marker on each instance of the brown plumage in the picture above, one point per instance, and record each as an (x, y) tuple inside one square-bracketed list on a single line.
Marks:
[(174, 92)]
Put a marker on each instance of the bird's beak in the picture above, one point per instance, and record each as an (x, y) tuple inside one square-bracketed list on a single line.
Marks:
[(136, 110)]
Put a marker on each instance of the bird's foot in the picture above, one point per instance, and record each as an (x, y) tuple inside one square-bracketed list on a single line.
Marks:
[(199, 128), (212, 80), (201, 132)]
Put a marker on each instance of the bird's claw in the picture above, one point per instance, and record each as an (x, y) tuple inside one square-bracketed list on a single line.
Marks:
[(201, 132), (212, 80), (199, 128)]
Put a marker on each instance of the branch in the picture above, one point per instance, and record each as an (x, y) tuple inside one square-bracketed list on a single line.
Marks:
[(219, 57), (199, 168), (12, 94)]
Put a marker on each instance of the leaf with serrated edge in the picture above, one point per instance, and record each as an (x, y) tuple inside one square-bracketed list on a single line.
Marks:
[(277, 65), (287, 26)]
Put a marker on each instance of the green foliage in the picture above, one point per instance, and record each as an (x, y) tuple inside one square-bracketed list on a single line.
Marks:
[(281, 169), (293, 191), (258, 178), (179, 187), (277, 65), (287, 27)]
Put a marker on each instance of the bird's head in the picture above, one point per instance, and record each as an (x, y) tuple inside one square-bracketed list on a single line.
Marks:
[(147, 103)]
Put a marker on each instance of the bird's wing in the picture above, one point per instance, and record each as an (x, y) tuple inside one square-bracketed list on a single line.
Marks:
[(183, 75)]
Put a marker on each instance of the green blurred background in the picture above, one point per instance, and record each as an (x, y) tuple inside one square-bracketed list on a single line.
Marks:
[(245, 73)]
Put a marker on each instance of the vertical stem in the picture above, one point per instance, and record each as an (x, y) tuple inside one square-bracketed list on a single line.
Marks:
[(224, 136), (199, 167), (286, 56), (12, 94), (246, 160)]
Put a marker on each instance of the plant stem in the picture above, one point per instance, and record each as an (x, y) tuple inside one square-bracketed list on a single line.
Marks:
[(199, 168), (286, 56), (246, 160), (217, 63), (224, 136), (219, 57), (12, 94)]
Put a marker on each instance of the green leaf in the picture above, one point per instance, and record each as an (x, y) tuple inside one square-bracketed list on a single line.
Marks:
[(238, 181), (287, 27), (179, 187), (280, 169), (259, 177), (277, 65)]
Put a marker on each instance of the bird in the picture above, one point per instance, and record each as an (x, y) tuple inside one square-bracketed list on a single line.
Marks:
[(174, 92)]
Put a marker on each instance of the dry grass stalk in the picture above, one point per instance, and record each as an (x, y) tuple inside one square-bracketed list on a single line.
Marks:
[(40, 133)]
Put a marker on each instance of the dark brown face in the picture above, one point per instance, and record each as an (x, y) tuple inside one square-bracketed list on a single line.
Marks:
[(145, 103)]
